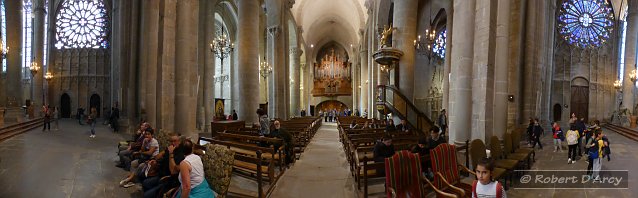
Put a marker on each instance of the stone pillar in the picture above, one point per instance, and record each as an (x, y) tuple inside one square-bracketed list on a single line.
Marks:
[(13, 81), (448, 58), (187, 20), (630, 55), (210, 61), (483, 75), (461, 71), (151, 70), (248, 64), (364, 79), (295, 56), (130, 105), (501, 68), (168, 30), (38, 53), (405, 16), (277, 82)]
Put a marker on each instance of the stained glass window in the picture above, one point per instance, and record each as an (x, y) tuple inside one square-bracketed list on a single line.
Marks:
[(3, 26), (585, 23), (27, 38), (82, 24), (439, 44)]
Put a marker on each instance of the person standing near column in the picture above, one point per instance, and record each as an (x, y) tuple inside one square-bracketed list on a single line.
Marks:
[(91, 121), (56, 116), (443, 122), (47, 117)]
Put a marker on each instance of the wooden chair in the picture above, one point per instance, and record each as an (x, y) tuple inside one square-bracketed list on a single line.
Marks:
[(509, 151), (497, 152), (403, 176), (477, 152), (516, 144), (447, 171)]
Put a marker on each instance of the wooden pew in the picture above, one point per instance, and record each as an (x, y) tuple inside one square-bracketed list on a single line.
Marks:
[(264, 171)]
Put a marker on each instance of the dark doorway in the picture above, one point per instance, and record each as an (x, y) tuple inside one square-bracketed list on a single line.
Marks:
[(580, 102), (312, 110), (558, 112), (65, 105), (95, 103)]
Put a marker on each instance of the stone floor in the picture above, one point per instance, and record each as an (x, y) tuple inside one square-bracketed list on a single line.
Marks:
[(322, 170), (63, 163), (67, 163), (622, 159)]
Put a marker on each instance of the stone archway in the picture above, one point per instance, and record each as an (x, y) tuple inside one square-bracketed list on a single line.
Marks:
[(331, 105), (580, 98), (65, 106)]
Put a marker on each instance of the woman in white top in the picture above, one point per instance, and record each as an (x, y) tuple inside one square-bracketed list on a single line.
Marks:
[(191, 175)]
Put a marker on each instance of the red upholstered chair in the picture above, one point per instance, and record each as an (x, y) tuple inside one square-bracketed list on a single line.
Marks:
[(403, 176), (447, 171)]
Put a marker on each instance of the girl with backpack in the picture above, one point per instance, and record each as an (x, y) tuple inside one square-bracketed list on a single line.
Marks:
[(558, 137), (572, 143), (485, 186)]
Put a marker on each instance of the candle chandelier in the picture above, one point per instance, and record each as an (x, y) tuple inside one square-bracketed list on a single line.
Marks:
[(222, 46)]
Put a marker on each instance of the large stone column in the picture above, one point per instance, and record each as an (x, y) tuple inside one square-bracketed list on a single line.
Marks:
[(461, 71), (363, 53), (295, 56), (448, 58), (186, 54), (38, 53), (483, 67), (248, 64), (501, 68), (209, 62), (405, 16), (167, 75), (150, 79), (13, 81), (630, 55), (277, 81)]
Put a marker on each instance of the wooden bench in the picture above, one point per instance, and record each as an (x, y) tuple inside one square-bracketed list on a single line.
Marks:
[(249, 151)]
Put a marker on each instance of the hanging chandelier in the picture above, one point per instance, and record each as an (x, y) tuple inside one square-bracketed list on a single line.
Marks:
[(264, 69), (48, 76), (425, 47), (433, 45), (34, 68), (222, 46)]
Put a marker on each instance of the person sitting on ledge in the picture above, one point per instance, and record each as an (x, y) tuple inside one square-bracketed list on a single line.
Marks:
[(191, 175)]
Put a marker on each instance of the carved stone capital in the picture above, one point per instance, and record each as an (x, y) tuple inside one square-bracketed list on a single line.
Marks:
[(274, 31), (290, 3), (296, 52)]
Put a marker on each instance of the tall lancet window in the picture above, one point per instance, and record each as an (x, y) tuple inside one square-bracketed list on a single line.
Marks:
[(222, 67), (439, 44), (3, 35)]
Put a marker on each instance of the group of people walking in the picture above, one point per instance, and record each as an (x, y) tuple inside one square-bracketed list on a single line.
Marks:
[(580, 139)]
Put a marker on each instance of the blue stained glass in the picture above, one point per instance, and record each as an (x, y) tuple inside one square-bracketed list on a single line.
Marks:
[(585, 23), (439, 44)]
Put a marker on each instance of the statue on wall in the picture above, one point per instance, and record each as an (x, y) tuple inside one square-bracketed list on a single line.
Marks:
[(385, 34)]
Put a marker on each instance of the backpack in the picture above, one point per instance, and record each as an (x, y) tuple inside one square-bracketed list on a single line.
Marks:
[(572, 137), (606, 149), (499, 189), (593, 151)]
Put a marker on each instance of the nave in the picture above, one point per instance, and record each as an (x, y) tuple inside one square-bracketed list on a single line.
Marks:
[(67, 163)]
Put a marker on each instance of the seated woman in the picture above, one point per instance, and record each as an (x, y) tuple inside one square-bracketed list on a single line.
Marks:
[(191, 175)]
